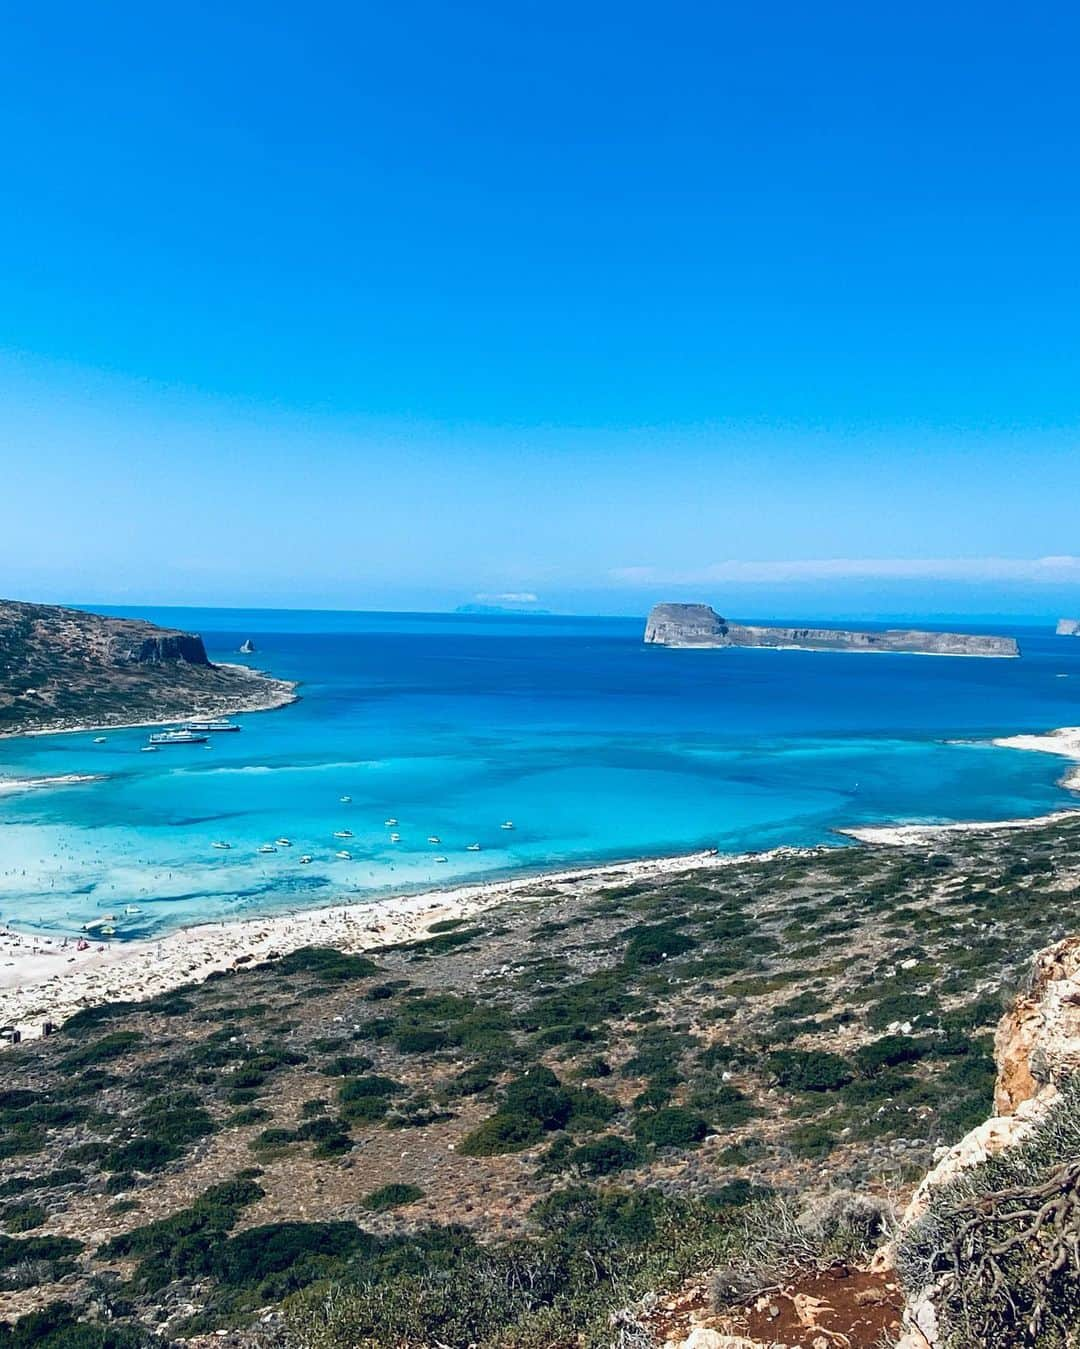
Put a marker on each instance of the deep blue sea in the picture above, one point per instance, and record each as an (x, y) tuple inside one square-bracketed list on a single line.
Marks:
[(595, 746)]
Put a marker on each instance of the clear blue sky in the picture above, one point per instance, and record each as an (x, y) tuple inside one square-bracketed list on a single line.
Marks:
[(392, 305)]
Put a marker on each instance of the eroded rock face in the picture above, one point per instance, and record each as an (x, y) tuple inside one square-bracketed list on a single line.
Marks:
[(185, 646), (1036, 1046)]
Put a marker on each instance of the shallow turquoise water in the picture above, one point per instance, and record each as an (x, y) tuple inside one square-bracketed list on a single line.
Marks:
[(594, 745)]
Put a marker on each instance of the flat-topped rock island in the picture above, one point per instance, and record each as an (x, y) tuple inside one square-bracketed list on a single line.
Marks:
[(699, 625)]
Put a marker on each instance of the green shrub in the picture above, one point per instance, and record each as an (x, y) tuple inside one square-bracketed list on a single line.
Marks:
[(809, 1069), (672, 1127), (888, 1052), (652, 944), (604, 1156), (392, 1196), (111, 1046)]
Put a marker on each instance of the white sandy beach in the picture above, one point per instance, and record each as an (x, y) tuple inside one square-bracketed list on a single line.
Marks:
[(1065, 742), (48, 979)]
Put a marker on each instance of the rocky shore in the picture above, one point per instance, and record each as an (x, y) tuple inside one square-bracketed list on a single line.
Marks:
[(67, 670)]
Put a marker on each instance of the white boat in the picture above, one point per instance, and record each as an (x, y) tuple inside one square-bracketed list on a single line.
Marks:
[(473, 847), (343, 833), (99, 740), (283, 842), (221, 844), (345, 856), (395, 838), (149, 749), (178, 738), (390, 822), (107, 931), (442, 859), (507, 824), (344, 800), (267, 847), (305, 860), (197, 726), (434, 838)]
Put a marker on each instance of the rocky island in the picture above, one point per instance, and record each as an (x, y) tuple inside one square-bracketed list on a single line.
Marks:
[(62, 669), (699, 625)]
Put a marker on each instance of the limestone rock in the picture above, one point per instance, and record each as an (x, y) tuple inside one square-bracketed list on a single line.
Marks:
[(1036, 1047), (700, 625)]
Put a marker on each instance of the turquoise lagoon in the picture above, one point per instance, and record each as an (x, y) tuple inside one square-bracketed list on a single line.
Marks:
[(596, 746)]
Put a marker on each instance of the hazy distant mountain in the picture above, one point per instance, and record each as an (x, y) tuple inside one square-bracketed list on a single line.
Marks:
[(500, 609)]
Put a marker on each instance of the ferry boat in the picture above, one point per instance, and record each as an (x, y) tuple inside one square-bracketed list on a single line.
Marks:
[(209, 726), (181, 737)]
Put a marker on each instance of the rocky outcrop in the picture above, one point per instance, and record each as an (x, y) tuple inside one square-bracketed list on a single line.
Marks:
[(65, 668), (1068, 627), (698, 625), (1037, 1047), (169, 646)]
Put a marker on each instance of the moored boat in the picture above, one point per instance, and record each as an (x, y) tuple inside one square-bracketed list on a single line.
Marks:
[(180, 737)]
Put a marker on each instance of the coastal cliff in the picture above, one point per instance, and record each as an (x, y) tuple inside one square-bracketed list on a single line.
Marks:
[(698, 625), (62, 668)]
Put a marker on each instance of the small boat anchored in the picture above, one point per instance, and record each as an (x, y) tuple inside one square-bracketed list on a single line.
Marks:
[(442, 859), (434, 838), (473, 847), (507, 824), (345, 800), (390, 822), (344, 855), (178, 738), (99, 739), (283, 842), (395, 838), (267, 847), (343, 833), (221, 844), (305, 859)]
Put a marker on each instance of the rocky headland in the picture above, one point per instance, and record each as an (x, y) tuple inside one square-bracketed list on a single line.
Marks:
[(699, 625), (64, 669)]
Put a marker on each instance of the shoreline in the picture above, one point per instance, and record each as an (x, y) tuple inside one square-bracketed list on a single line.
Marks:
[(280, 693), (48, 979), (1064, 742), (35, 987)]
